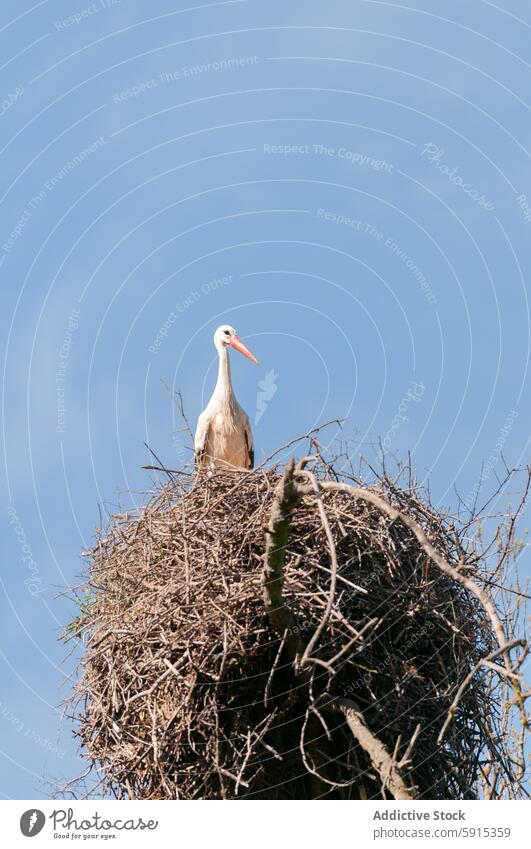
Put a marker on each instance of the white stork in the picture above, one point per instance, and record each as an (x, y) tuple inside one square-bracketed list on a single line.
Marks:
[(223, 437)]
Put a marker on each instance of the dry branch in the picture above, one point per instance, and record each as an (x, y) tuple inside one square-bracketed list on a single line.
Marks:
[(382, 761), (281, 618)]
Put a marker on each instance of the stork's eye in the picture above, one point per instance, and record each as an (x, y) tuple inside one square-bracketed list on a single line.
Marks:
[(226, 332)]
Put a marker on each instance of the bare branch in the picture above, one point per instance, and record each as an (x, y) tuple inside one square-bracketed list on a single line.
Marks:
[(382, 761)]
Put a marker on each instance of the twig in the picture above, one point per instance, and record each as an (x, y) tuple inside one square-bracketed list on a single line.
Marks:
[(169, 472), (177, 396), (287, 445), (159, 461), (411, 745), (267, 690)]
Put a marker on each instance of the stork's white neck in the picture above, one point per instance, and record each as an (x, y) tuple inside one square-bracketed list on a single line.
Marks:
[(224, 383)]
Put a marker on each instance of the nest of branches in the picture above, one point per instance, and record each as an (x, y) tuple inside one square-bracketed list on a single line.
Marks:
[(291, 633)]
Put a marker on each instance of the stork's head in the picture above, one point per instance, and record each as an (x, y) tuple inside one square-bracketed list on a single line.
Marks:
[(226, 335)]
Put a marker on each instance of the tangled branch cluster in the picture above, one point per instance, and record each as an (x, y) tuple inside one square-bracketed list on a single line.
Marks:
[(274, 634)]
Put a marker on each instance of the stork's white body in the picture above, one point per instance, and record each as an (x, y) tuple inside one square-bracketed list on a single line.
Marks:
[(224, 437)]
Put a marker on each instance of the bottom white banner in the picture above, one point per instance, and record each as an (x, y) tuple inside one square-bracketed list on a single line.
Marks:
[(255, 824)]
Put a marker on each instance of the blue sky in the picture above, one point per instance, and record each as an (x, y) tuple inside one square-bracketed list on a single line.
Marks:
[(348, 184)]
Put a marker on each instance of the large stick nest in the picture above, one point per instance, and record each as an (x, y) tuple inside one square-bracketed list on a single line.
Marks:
[(186, 691)]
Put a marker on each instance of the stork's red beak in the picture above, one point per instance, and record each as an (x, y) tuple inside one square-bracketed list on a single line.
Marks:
[(243, 349)]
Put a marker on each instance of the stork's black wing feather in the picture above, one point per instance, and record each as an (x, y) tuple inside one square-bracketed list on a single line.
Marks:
[(250, 451)]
